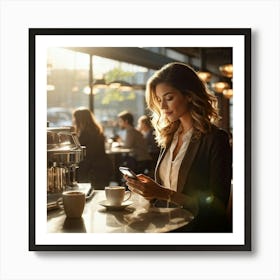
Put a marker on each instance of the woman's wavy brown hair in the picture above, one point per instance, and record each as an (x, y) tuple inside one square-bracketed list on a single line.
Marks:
[(202, 105), (85, 120)]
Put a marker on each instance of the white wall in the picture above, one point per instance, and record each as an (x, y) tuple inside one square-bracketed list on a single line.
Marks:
[(17, 262)]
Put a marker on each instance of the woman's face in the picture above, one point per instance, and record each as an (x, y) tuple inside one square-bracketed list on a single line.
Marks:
[(172, 102), (121, 123)]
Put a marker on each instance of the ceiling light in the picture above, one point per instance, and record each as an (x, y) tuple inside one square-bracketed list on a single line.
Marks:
[(219, 87), (226, 70), (120, 85), (99, 83), (228, 93), (205, 76)]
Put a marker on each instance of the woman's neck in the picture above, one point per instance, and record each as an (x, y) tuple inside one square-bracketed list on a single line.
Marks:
[(186, 123)]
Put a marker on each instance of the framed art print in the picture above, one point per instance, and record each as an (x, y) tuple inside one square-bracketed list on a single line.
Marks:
[(106, 71)]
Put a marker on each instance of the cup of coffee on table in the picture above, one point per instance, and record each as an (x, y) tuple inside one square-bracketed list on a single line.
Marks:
[(74, 203), (116, 195)]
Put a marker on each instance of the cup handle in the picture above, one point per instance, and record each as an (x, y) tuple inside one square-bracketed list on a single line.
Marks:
[(127, 195)]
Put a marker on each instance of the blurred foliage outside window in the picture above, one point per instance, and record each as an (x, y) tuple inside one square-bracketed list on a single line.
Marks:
[(68, 88)]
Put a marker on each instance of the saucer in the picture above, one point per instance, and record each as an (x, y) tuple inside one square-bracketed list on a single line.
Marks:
[(106, 204)]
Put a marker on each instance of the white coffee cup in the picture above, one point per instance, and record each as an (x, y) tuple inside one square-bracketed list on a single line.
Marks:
[(116, 195), (74, 203)]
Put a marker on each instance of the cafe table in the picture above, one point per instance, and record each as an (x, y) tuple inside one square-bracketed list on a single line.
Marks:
[(135, 215)]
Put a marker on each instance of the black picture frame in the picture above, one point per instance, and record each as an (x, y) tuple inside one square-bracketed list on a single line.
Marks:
[(244, 33)]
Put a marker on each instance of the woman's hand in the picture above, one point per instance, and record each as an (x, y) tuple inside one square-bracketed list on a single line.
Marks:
[(147, 187)]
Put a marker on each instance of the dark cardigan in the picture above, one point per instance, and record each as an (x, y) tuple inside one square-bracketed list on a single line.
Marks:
[(96, 167)]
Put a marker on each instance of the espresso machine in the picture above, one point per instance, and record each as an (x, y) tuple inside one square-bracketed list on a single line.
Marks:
[(64, 153)]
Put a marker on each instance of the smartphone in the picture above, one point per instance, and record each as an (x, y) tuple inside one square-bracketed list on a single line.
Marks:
[(128, 172)]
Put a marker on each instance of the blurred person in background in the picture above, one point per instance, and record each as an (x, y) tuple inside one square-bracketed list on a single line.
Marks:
[(194, 166), (145, 127), (140, 159), (96, 167)]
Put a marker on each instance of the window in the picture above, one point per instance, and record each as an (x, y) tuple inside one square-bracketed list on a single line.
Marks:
[(68, 87)]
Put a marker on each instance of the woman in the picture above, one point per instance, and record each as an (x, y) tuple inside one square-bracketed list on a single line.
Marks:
[(194, 166), (147, 130), (96, 167)]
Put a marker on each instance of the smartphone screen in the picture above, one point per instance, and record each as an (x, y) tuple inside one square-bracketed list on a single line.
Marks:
[(128, 172)]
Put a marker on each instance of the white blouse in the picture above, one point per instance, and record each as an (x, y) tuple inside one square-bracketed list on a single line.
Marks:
[(169, 169)]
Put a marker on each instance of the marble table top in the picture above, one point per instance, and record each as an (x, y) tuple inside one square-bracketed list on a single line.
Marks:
[(137, 215)]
